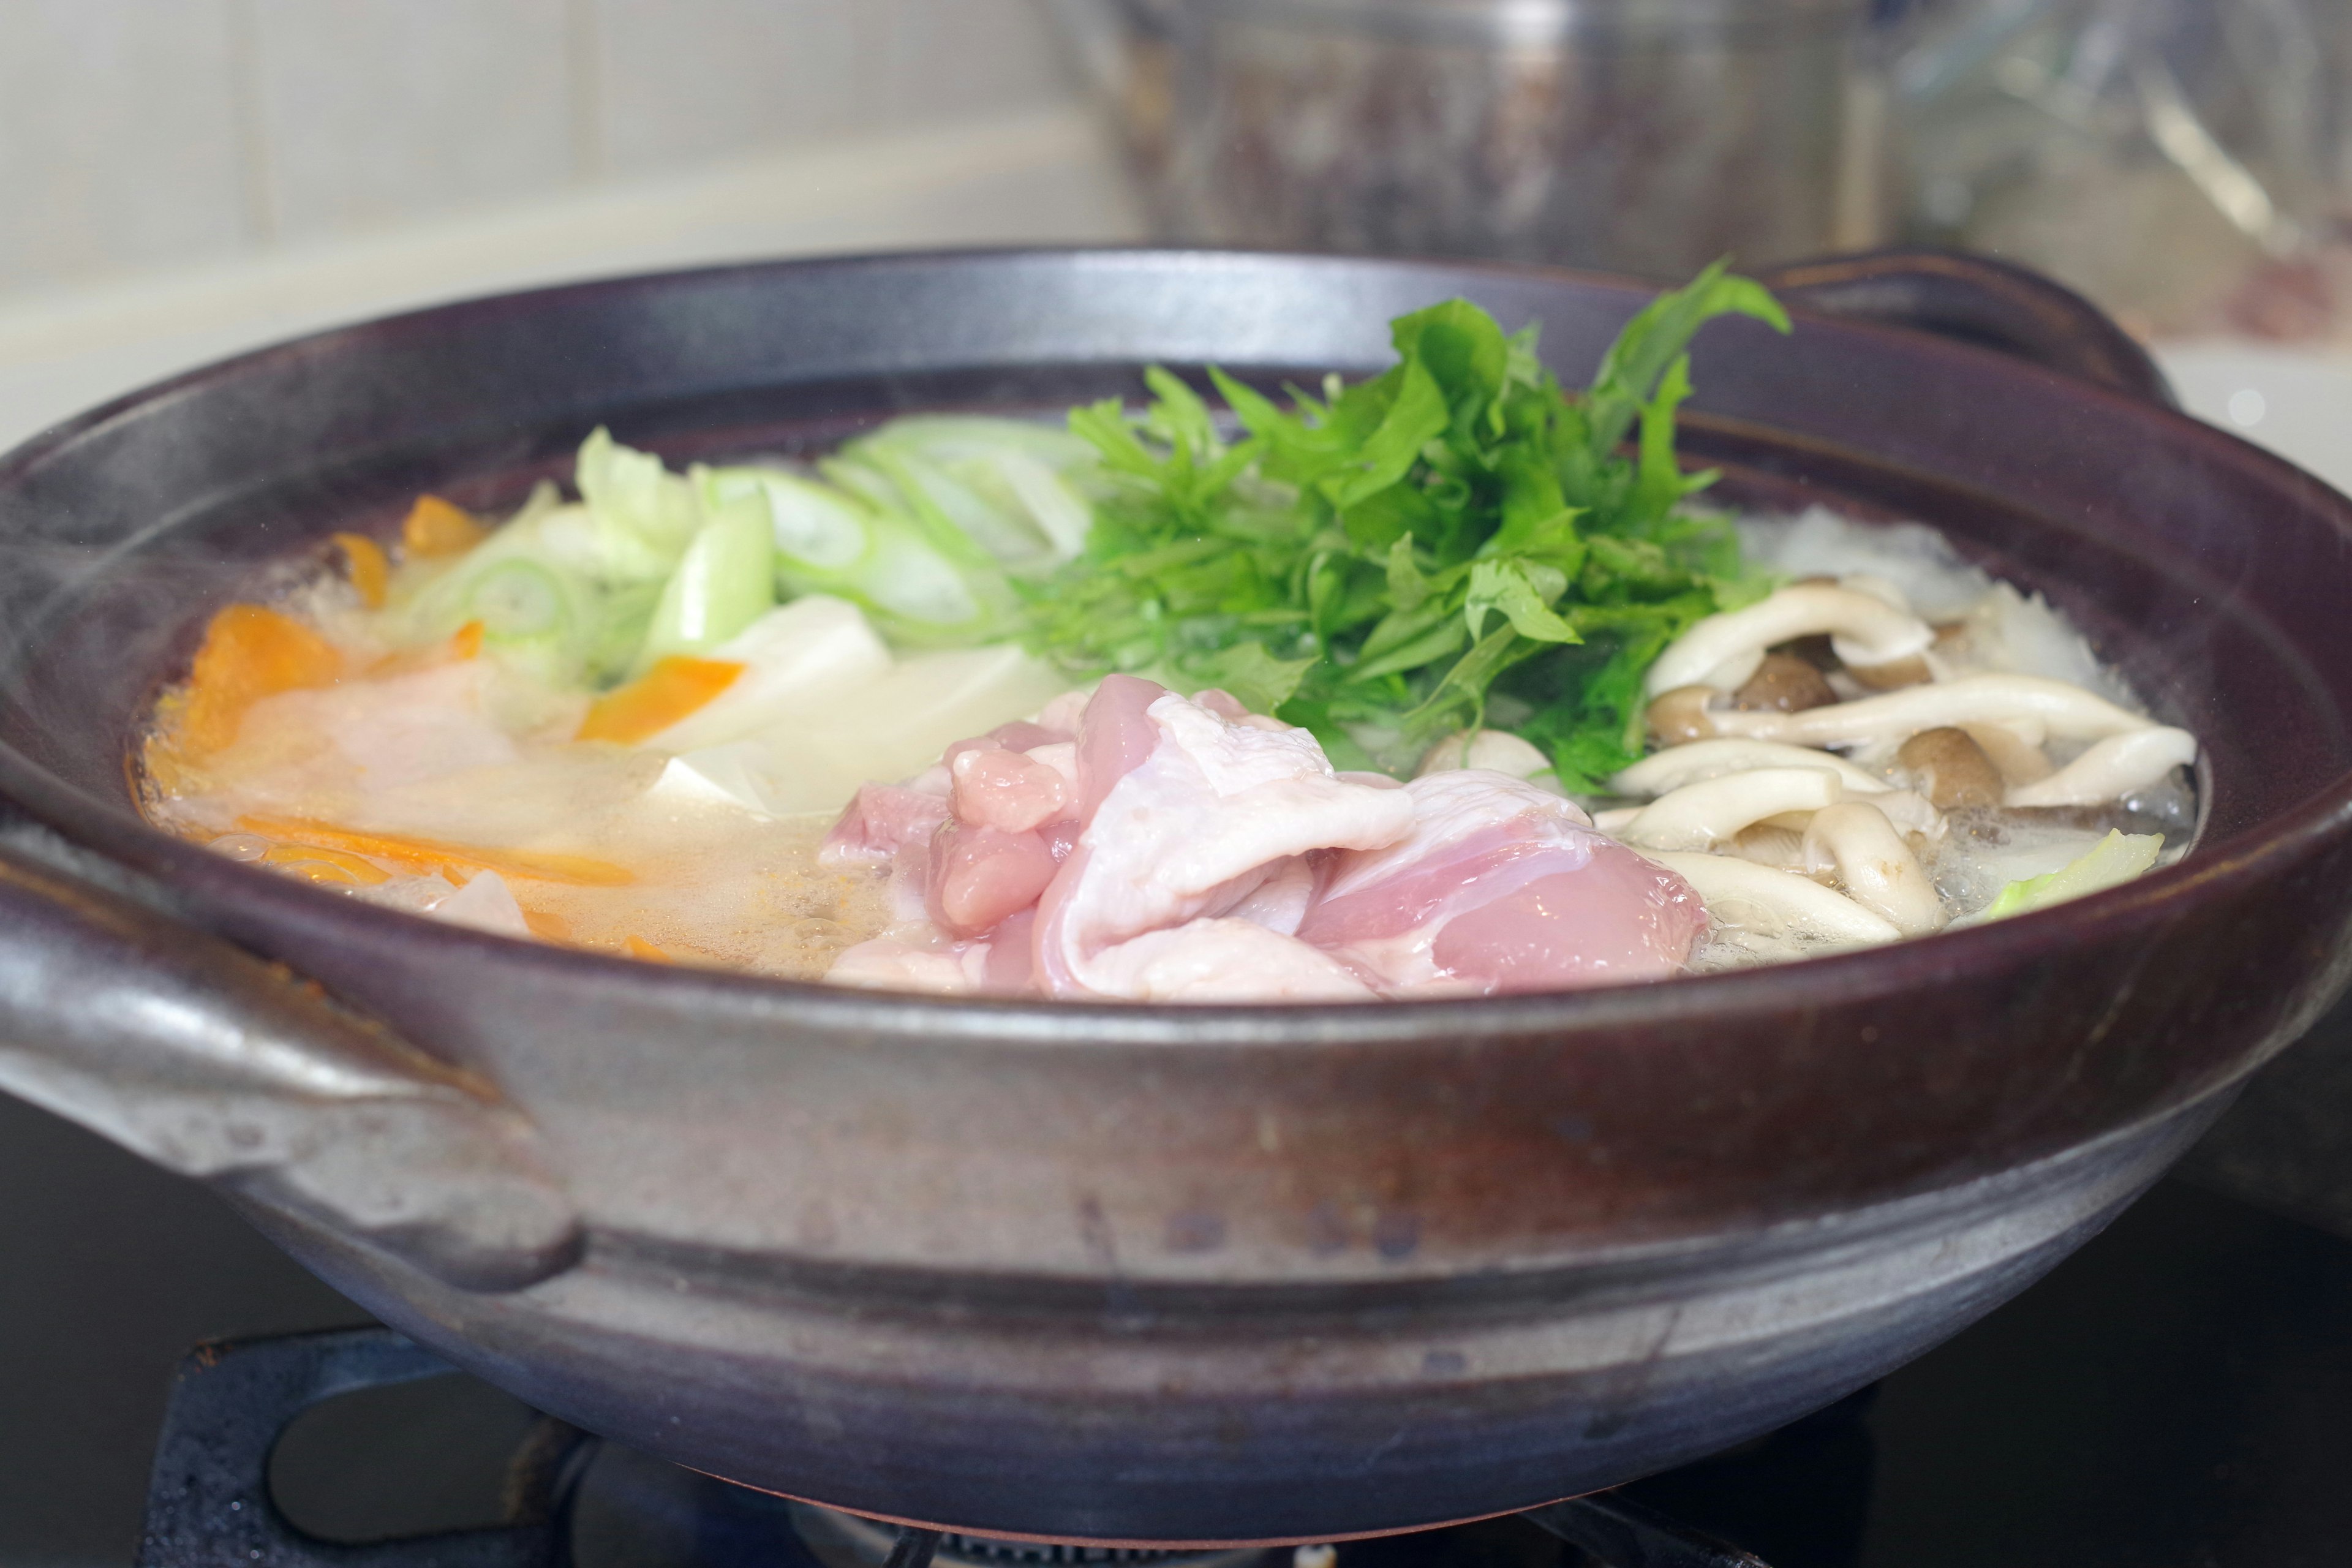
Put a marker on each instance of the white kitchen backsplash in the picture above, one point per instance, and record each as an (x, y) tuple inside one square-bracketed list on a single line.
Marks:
[(150, 135)]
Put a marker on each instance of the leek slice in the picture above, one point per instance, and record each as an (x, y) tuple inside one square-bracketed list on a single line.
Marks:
[(1013, 488), (725, 581), (833, 540)]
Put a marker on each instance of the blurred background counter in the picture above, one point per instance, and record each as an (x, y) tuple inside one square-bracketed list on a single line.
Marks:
[(182, 178)]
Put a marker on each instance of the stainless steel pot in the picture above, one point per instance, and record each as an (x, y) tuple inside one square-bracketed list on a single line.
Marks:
[(1642, 136), (1149, 1273)]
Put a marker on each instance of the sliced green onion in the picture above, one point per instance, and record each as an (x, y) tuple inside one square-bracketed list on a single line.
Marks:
[(725, 580), (815, 527), (517, 599), (916, 485), (1005, 484), (915, 587)]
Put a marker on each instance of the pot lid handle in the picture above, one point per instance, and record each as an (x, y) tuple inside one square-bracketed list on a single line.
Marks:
[(1994, 304), (199, 1057)]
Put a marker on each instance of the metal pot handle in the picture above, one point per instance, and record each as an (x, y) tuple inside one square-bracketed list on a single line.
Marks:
[(1980, 301), (207, 1061)]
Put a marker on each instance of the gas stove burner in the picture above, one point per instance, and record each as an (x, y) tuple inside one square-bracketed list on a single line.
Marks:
[(572, 1503), (849, 1541)]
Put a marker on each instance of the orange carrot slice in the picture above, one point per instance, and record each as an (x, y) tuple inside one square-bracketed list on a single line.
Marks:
[(465, 642), (436, 527), (547, 927), (433, 854), (249, 653), (640, 948), (323, 865), (673, 688), (365, 566)]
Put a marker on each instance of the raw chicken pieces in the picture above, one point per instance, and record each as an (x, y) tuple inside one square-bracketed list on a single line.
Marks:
[(1502, 887), (1166, 849)]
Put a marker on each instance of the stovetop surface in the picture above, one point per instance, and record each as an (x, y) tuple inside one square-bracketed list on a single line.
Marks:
[(2178, 1394)]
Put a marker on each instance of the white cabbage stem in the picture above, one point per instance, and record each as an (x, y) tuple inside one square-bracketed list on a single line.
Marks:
[(1715, 811), (2111, 769), (1876, 867), (1741, 894), (1697, 760), (1724, 650), (2064, 711)]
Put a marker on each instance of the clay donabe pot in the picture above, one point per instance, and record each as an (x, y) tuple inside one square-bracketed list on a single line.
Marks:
[(1143, 1273)]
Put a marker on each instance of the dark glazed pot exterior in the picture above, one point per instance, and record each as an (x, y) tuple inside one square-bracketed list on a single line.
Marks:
[(1138, 1273)]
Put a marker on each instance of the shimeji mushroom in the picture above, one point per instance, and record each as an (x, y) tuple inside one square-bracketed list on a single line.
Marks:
[(1751, 901), (2015, 750), (1876, 869), (1951, 768), (2111, 769), (1700, 760), (2015, 701), (1714, 811), (1723, 651)]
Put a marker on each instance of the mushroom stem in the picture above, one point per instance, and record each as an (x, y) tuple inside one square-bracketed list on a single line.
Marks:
[(1877, 869), (2015, 751), (1699, 759), (1737, 892), (1724, 650), (2111, 769), (2066, 712), (1714, 811)]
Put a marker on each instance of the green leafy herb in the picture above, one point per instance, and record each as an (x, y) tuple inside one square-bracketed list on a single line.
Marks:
[(1381, 563)]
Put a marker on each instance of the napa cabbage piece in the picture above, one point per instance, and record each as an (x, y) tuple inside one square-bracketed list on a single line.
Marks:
[(2117, 859), (642, 515)]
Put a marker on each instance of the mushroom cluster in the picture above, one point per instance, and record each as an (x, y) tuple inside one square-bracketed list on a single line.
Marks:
[(1815, 747)]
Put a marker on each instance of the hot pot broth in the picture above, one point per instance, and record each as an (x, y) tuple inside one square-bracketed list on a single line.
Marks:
[(1416, 712)]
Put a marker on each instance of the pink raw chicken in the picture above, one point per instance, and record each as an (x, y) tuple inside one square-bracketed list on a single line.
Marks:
[(1189, 850), (1503, 887)]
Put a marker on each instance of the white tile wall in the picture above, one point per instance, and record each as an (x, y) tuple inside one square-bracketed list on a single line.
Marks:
[(148, 135), (120, 142), (686, 81), (373, 111), (950, 58)]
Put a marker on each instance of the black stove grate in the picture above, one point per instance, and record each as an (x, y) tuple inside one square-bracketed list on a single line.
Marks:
[(210, 1502)]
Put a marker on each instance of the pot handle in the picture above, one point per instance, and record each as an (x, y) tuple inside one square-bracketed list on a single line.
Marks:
[(207, 1061), (1979, 300)]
